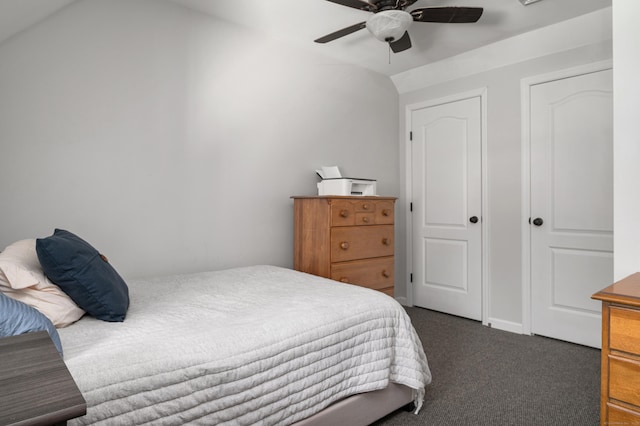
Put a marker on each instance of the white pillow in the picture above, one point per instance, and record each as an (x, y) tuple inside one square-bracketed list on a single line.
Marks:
[(22, 278), (15, 263)]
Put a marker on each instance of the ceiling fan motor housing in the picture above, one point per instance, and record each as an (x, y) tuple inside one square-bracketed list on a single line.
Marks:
[(389, 25)]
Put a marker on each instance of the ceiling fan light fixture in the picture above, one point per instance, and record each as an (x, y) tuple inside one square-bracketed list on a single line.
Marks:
[(389, 25)]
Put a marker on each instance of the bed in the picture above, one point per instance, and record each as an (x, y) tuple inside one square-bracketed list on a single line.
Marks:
[(253, 345)]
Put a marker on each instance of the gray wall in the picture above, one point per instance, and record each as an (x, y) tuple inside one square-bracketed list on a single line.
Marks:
[(504, 192), (172, 141)]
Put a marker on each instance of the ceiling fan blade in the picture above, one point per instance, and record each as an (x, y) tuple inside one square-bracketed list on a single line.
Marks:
[(357, 4), (402, 44), (341, 33), (453, 15), (406, 3)]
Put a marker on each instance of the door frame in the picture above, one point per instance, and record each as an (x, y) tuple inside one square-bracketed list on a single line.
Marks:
[(484, 223), (525, 99)]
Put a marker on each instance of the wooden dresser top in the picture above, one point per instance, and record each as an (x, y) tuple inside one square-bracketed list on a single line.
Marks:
[(625, 291), (349, 197), (35, 386)]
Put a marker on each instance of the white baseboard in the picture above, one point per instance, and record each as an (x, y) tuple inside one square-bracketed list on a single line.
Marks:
[(503, 325), (512, 327), (403, 301)]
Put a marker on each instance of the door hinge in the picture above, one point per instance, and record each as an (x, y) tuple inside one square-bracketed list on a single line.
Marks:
[(410, 136)]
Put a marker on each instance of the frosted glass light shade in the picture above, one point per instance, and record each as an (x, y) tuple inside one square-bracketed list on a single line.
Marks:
[(389, 25)]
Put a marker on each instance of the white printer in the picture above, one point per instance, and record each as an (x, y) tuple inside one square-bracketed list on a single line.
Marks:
[(333, 183)]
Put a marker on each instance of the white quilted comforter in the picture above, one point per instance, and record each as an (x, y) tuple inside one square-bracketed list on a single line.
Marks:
[(256, 345)]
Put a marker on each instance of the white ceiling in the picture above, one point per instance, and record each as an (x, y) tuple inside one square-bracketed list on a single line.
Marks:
[(301, 21)]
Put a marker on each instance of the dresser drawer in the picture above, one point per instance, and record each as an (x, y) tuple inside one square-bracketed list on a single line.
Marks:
[(365, 206), (384, 212), (365, 218), (361, 242), (374, 212), (372, 273), (365, 212), (622, 416), (624, 379), (387, 291), (624, 329), (343, 213)]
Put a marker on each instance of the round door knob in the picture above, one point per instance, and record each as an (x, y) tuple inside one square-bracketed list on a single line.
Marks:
[(385, 274), (385, 212), (473, 219), (344, 213), (344, 245), (365, 206), (365, 219), (538, 221), (385, 241)]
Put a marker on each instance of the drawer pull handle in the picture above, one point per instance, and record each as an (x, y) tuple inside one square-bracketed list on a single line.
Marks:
[(344, 213), (344, 280), (385, 241), (365, 219), (385, 273), (365, 206), (344, 245), (385, 212)]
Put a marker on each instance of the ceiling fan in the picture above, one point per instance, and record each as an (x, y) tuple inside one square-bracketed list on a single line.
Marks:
[(390, 21)]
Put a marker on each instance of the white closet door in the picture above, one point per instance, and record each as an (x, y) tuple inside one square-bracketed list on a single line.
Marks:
[(571, 126), (446, 186)]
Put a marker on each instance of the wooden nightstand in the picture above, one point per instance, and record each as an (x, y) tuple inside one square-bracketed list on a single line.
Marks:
[(620, 394), (35, 386)]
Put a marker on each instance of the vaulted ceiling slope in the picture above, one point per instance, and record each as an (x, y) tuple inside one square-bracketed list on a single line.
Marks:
[(300, 22), (17, 15)]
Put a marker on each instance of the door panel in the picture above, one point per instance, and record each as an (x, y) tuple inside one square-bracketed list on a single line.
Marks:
[(446, 264), (445, 173), (570, 269), (572, 191), (446, 192)]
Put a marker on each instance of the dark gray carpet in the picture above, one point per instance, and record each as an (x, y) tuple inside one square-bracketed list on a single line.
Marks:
[(483, 376)]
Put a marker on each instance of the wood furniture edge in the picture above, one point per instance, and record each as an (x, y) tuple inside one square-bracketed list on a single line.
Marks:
[(363, 197), (604, 365), (48, 372), (305, 216), (625, 291)]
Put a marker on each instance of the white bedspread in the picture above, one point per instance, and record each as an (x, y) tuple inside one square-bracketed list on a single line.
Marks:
[(256, 345)]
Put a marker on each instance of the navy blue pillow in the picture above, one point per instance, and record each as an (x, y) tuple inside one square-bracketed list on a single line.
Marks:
[(83, 274), (18, 318)]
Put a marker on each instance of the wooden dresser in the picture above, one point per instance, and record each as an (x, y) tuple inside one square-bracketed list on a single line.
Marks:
[(348, 239), (620, 393)]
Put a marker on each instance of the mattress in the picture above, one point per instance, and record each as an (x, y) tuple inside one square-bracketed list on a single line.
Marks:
[(254, 345)]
